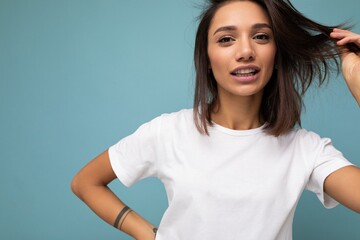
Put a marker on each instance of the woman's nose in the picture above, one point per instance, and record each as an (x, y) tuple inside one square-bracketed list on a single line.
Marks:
[(245, 51)]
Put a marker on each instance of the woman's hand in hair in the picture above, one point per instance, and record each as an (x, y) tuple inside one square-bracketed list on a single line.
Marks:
[(349, 43)]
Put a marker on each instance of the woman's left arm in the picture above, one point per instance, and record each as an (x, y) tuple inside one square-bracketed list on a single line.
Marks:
[(343, 185), (350, 60)]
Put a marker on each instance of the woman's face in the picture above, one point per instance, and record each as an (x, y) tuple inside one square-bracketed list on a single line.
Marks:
[(241, 49)]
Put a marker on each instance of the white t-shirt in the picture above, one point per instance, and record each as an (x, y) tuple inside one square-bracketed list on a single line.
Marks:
[(230, 185)]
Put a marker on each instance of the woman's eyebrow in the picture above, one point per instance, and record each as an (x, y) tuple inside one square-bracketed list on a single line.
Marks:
[(225, 29), (231, 28), (261, 25)]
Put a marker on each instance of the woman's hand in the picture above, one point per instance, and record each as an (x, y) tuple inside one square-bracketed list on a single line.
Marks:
[(350, 58)]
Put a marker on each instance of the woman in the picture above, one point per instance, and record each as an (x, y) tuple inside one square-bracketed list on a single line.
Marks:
[(235, 166)]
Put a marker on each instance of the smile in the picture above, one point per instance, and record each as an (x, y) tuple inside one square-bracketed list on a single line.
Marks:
[(245, 74)]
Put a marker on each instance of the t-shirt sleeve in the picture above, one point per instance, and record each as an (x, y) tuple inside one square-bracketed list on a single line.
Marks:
[(328, 160), (134, 157)]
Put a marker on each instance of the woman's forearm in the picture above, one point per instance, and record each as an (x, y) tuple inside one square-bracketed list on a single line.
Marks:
[(107, 206), (349, 43), (90, 185), (354, 86), (356, 92)]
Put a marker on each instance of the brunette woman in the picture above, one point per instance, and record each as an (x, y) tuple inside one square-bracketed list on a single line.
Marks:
[(235, 165)]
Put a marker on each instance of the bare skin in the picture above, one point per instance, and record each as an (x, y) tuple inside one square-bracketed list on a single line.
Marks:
[(240, 37), (90, 185), (350, 60)]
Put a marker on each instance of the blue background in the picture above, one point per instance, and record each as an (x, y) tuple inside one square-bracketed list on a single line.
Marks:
[(76, 76)]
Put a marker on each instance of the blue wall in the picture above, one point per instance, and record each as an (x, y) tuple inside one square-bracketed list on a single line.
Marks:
[(76, 76)]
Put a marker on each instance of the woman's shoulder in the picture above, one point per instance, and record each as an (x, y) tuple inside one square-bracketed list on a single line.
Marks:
[(175, 123), (308, 139), (177, 119), (167, 123), (185, 112), (305, 134), (183, 115)]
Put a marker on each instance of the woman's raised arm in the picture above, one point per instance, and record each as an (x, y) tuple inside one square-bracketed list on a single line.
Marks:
[(350, 58), (344, 184), (90, 185)]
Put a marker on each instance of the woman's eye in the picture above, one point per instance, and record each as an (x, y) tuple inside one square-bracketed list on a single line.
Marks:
[(225, 40), (262, 37)]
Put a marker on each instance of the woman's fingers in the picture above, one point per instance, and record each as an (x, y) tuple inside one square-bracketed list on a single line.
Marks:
[(346, 40), (345, 37)]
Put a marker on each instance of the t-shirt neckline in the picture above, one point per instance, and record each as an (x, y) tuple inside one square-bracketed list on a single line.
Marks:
[(238, 132)]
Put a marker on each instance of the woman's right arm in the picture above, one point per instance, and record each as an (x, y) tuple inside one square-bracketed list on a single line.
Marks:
[(90, 185)]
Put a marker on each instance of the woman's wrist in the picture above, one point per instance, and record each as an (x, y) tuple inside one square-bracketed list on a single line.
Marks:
[(137, 227)]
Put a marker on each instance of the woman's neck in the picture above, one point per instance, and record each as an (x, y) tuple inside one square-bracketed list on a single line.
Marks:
[(239, 113)]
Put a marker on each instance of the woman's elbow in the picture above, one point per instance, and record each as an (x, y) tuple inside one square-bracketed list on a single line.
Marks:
[(76, 186), (97, 173)]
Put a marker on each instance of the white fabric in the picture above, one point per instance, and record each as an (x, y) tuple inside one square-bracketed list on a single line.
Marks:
[(232, 185)]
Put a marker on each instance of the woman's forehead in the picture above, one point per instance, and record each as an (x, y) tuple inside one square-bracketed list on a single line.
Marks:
[(239, 14)]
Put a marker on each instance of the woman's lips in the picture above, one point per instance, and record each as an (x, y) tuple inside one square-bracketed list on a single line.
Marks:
[(245, 75)]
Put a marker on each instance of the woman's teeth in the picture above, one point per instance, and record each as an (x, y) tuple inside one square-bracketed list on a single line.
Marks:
[(247, 71)]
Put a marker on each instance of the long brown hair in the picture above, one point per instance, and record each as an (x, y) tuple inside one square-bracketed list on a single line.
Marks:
[(305, 53)]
